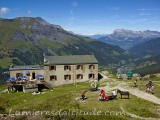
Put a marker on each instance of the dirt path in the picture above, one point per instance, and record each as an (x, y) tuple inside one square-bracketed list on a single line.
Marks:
[(135, 91), (142, 94)]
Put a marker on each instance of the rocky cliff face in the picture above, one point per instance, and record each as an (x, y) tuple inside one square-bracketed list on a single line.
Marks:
[(33, 29)]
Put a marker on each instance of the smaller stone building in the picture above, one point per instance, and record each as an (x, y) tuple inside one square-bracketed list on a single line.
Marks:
[(26, 70)]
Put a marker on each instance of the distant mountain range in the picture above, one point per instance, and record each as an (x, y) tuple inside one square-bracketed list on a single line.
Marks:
[(128, 38), (96, 36), (144, 45), (23, 40)]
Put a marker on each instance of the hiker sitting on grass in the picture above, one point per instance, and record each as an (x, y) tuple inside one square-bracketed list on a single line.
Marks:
[(83, 95), (114, 95), (103, 96)]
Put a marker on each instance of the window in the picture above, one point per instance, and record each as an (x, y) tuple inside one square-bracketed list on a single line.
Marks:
[(91, 76), (27, 72), (52, 67), (79, 76), (67, 77), (79, 67), (91, 66), (53, 77), (67, 67), (18, 75)]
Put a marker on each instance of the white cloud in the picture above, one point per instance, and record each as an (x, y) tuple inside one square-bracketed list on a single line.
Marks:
[(29, 11), (113, 8), (74, 4), (145, 9), (100, 20), (71, 12), (71, 18), (144, 14), (115, 17), (111, 18), (4, 10)]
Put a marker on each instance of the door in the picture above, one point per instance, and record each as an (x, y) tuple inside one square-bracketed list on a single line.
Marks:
[(33, 75)]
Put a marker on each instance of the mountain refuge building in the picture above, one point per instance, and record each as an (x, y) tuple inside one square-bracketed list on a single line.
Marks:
[(60, 70)]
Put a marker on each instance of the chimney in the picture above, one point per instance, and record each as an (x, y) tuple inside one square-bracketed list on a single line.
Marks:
[(44, 55)]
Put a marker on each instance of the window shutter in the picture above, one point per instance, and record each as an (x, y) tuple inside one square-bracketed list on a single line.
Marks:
[(77, 67), (50, 68), (64, 67), (93, 66), (69, 67)]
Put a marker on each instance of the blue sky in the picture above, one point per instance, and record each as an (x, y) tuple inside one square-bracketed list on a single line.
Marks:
[(88, 16)]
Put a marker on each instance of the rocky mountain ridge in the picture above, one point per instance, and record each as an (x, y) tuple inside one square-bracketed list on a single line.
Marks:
[(128, 38)]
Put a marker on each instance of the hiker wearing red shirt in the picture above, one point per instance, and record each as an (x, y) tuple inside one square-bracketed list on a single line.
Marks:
[(103, 96)]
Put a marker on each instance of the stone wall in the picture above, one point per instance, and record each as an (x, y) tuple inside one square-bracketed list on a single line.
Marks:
[(23, 72), (73, 72)]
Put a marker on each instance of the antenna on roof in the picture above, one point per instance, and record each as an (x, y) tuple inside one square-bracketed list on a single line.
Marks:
[(12, 66), (44, 55)]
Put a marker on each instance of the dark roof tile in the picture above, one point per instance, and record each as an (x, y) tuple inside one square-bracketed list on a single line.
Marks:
[(70, 59), (26, 67)]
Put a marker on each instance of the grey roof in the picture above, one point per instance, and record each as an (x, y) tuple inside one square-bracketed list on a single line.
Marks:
[(26, 67), (70, 59)]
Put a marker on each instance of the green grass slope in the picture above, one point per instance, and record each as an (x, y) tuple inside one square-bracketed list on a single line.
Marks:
[(149, 65), (149, 48), (63, 99)]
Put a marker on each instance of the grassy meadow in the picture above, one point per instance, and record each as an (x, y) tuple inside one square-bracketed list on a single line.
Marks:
[(62, 103)]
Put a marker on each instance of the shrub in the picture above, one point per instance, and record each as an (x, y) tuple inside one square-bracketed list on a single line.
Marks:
[(152, 76)]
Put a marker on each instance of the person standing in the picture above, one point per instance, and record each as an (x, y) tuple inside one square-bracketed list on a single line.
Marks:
[(135, 83), (83, 95), (152, 89)]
